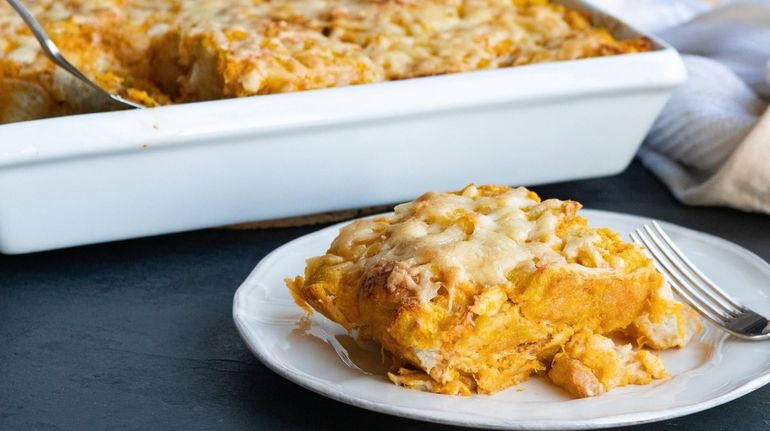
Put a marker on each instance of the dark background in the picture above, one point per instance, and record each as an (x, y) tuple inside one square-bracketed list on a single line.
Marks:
[(138, 334)]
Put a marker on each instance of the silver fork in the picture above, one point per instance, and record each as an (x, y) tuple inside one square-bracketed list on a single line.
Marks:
[(52, 52), (695, 288)]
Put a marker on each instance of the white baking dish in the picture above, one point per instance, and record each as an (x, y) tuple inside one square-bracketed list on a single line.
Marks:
[(101, 177)]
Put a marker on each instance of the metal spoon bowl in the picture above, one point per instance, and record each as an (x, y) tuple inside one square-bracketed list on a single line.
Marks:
[(52, 52)]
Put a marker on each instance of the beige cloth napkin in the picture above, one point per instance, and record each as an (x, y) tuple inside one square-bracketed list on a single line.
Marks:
[(741, 181), (711, 144)]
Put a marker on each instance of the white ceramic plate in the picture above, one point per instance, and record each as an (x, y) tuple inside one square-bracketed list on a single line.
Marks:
[(321, 356)]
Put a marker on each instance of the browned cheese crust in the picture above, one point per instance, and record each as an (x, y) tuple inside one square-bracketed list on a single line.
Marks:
[(158, 52)]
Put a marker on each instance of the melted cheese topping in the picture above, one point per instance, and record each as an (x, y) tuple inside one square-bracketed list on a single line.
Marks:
[(170, 51), (446, 239)]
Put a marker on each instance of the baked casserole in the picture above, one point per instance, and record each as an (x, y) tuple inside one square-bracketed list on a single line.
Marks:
[(476, 290), (174, 51)]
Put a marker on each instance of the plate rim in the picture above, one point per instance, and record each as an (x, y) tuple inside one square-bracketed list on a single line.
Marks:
[(625, 419)]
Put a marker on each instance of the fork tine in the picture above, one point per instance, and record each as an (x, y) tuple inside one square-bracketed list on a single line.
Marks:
[(695, 301), (683, 270), (694, 269), (683, 293), (674, 274)]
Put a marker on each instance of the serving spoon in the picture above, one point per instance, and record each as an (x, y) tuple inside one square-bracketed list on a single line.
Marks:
[(52, 52)]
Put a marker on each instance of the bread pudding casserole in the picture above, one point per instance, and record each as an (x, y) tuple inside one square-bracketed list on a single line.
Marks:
[(158, 52), (476, 290)]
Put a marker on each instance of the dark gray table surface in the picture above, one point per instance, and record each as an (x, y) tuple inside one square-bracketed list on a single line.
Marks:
[(138, 334)]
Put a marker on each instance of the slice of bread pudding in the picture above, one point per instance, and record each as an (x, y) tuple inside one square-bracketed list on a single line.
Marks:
[(474, 291)]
